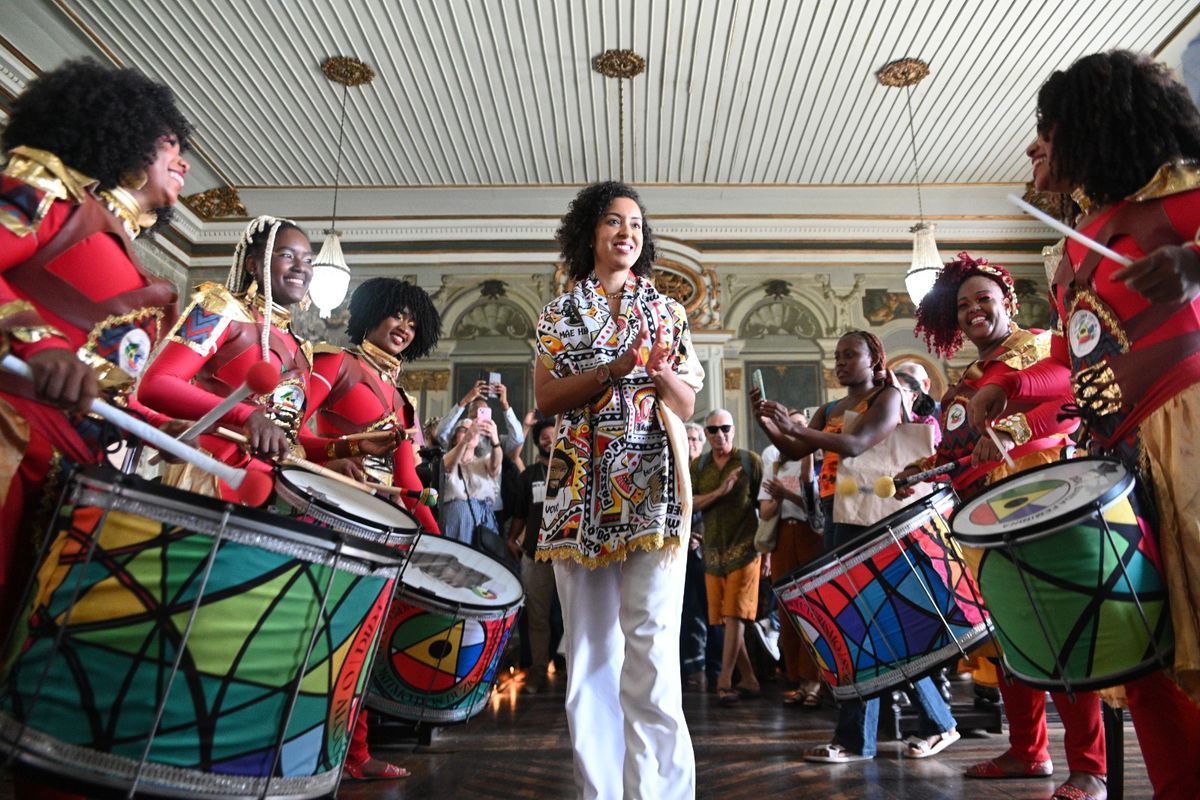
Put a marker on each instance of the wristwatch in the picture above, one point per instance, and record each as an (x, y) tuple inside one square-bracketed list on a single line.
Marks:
[(603, 374)]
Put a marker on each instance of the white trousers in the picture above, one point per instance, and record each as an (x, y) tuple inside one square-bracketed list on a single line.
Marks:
[(624, 694)]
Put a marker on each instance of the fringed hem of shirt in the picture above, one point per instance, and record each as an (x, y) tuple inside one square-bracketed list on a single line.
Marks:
[(647, 543)]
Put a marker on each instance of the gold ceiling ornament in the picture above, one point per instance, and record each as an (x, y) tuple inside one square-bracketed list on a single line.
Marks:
[(222, 201), (619, 64), (347, 70), (622, 65), (903, 72)]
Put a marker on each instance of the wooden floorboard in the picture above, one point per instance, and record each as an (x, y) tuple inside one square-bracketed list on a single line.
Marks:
[(519, 748)]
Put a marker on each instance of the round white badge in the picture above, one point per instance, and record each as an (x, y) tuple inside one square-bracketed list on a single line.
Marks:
[(956, 416), (1083, 332), (133, 351)]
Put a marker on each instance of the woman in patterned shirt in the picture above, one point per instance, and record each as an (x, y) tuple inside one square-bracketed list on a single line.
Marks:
[(618, 497)]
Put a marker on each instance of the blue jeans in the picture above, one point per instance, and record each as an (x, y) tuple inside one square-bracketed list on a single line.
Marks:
[(458, 518), (858, 721)]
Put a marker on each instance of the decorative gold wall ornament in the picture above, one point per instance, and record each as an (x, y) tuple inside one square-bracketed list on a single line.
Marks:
[(733, 379), (414, 380), (619, 64), (347, 70), (222, 201)]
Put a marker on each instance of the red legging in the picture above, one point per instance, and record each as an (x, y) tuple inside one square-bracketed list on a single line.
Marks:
[(1083, 728), (1168, 732)]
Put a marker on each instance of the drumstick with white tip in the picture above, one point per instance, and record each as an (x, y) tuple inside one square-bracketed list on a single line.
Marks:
[(1068, 231), (425, 497), (253, 488), (1003, 450), (262, 378)]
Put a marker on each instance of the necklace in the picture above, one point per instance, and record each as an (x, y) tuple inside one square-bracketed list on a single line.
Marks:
[(280, 317), (127, 209), (384, 363)]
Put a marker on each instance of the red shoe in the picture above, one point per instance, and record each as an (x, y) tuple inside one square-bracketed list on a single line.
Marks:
[(363, 771), (990, 770)]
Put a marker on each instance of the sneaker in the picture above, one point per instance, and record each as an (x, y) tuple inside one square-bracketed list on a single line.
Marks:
[(767, 636)]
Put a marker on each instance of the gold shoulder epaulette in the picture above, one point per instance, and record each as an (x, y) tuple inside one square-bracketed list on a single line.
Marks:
[(215, 298), (47, 174), (1025, 348), (1171, 178), (325, 347)]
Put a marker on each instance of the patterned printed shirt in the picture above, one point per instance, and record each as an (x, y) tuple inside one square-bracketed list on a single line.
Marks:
[(618, 474)]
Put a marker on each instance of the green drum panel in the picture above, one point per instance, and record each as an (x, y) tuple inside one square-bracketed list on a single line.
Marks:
[(1069, 598)]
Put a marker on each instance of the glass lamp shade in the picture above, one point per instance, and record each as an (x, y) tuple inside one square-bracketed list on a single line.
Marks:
[(331, 276), (926, 263)]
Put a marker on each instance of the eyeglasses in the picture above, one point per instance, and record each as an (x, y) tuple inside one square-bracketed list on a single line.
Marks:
[(718, 428)]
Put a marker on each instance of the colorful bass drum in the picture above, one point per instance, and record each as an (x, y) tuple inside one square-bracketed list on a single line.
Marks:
[(890, 606), (1071, 574), (445, 633), (180, 646)]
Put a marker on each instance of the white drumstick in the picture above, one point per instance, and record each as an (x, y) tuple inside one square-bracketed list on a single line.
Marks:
[(153, 436), (1068, 231), (996, 440), (262, 378)]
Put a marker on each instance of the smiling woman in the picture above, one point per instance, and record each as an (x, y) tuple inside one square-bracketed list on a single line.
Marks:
[(211, 350)]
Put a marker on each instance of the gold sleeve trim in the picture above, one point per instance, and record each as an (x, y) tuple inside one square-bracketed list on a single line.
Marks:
[(1017, 428)]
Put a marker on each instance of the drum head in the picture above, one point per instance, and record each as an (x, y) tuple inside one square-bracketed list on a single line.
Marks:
[(346, 501), (460, 575), (1040, 500)]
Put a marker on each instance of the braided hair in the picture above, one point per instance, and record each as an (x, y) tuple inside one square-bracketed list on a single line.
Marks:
[(880, 375), (258, 241), (1113, 119), (937, 316), (379, 298)]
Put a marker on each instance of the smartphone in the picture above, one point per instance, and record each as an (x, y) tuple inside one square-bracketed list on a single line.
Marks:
[(757, 381), (484, 413), (493, 379)]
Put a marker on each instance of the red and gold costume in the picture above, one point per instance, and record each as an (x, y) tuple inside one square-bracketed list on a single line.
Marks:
[(1135, 369), (1033, 423), (358, 390), (69, 280), (206, 358)]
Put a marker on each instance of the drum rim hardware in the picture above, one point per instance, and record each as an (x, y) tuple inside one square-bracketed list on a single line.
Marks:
[(340, 519)]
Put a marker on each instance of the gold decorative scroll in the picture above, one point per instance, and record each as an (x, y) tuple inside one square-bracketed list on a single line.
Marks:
[(215, 203)]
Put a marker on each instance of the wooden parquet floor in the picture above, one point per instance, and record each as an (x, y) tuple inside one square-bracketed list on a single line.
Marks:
[(519, 748)]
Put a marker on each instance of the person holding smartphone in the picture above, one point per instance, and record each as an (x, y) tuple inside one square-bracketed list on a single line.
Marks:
[(476, 398), (471, 483)]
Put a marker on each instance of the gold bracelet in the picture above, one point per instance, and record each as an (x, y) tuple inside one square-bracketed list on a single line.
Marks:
[(355, 450), (331, 450), (1016, 426)]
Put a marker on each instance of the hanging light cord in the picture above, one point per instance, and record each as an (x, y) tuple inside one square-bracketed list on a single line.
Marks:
[(337, 178), (912, 135)]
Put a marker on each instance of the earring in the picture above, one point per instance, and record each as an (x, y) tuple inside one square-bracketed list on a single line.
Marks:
[(252, 289), (305, 302)]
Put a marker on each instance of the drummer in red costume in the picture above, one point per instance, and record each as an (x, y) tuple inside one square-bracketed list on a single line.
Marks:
[(357, 390), (94, 154), (1121, 133), (223, 333), (975, 300)]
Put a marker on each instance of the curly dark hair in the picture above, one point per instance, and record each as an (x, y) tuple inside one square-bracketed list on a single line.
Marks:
[(102, 121), (1112, 120), (380, 298), (535, 432), (937, 316), (578, 229)]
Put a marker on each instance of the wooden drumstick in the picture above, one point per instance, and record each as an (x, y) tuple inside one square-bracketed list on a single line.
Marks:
[(374, 435), (262, 378), (1003, 451), (426, 497), (253, 488)]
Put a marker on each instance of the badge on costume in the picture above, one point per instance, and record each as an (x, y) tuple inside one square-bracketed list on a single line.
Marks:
[(1083, 332), (133, 351), (956, 416)]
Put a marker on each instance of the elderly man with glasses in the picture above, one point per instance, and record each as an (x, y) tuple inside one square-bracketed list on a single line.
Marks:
[(725, 483)]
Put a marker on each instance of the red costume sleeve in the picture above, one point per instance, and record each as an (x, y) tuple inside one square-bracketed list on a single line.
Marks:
[(404, 475), (16, 250), (166, 386), (324, 372), (1045, 381)]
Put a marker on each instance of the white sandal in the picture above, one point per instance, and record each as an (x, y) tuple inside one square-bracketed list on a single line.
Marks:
[(920, 747), (833, 753)]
